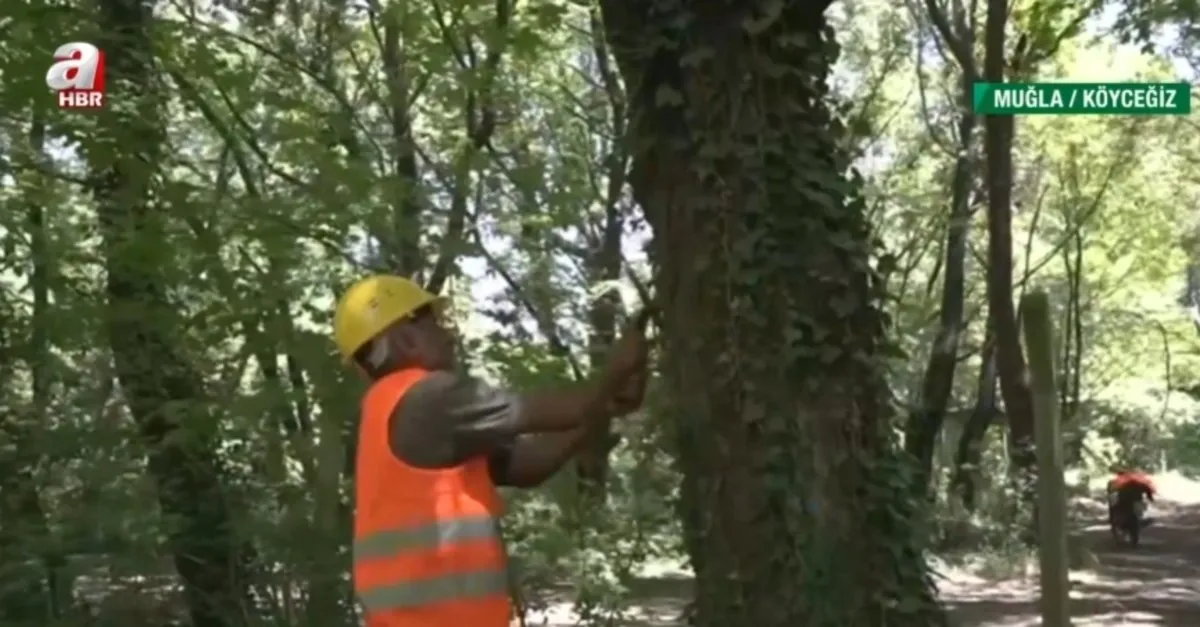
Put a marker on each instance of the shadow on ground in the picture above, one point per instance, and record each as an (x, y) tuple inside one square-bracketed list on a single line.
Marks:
[(1157, 583)]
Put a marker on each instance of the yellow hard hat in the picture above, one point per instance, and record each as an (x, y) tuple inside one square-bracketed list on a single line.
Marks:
[(372, 305)]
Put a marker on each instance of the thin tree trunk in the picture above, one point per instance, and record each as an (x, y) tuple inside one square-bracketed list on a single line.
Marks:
[(604, 265), (29, 588), (591, 464), (998, 138), (164, 393), (925, 424), (401, 238), (969, 453)]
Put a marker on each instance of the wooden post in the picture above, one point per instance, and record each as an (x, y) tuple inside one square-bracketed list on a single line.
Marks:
[(1052, 498)]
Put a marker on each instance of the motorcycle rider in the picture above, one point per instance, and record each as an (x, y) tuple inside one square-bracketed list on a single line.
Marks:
[(1126, 491)]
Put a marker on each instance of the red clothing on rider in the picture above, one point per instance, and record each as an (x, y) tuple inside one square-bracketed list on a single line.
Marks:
[(1132, 478)]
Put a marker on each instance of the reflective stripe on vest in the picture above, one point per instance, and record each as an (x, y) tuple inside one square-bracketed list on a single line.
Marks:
[(428, 537), (383, 544), (446, 588)]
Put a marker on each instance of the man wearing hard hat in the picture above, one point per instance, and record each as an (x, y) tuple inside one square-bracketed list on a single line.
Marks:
[(433, 444)]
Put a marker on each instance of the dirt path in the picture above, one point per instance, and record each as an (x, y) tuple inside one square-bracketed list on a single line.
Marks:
[(1156, 584)]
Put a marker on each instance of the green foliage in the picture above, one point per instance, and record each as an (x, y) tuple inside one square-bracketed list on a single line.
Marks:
[(304, 144)]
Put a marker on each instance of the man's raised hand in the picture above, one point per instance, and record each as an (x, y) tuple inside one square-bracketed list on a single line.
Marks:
[(625, 373)]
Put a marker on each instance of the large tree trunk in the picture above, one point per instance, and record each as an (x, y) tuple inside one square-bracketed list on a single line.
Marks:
[(772, 337), (164, 393)]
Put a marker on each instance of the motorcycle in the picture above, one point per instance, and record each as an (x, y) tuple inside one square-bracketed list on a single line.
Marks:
[(1127, 518)]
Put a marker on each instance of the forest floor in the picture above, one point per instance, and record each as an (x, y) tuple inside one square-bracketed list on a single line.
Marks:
[(1157, 583)]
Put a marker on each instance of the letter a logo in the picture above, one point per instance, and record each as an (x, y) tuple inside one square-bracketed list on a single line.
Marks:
[(78, 76)]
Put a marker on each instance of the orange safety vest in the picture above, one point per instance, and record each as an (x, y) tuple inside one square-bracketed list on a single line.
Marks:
[(427, 547)]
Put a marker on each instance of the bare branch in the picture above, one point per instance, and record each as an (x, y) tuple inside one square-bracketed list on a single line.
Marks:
[(543, 320)]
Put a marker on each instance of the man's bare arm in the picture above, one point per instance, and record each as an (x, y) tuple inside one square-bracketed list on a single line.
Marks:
[(535, 457), (446, 419)]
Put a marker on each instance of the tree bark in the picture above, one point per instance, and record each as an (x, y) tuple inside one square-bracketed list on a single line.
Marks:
[(793, 511), (1010, 360), (29, 591), (969, 453), (604, 265), (1071, 353), (165, 395), (924, 424)]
